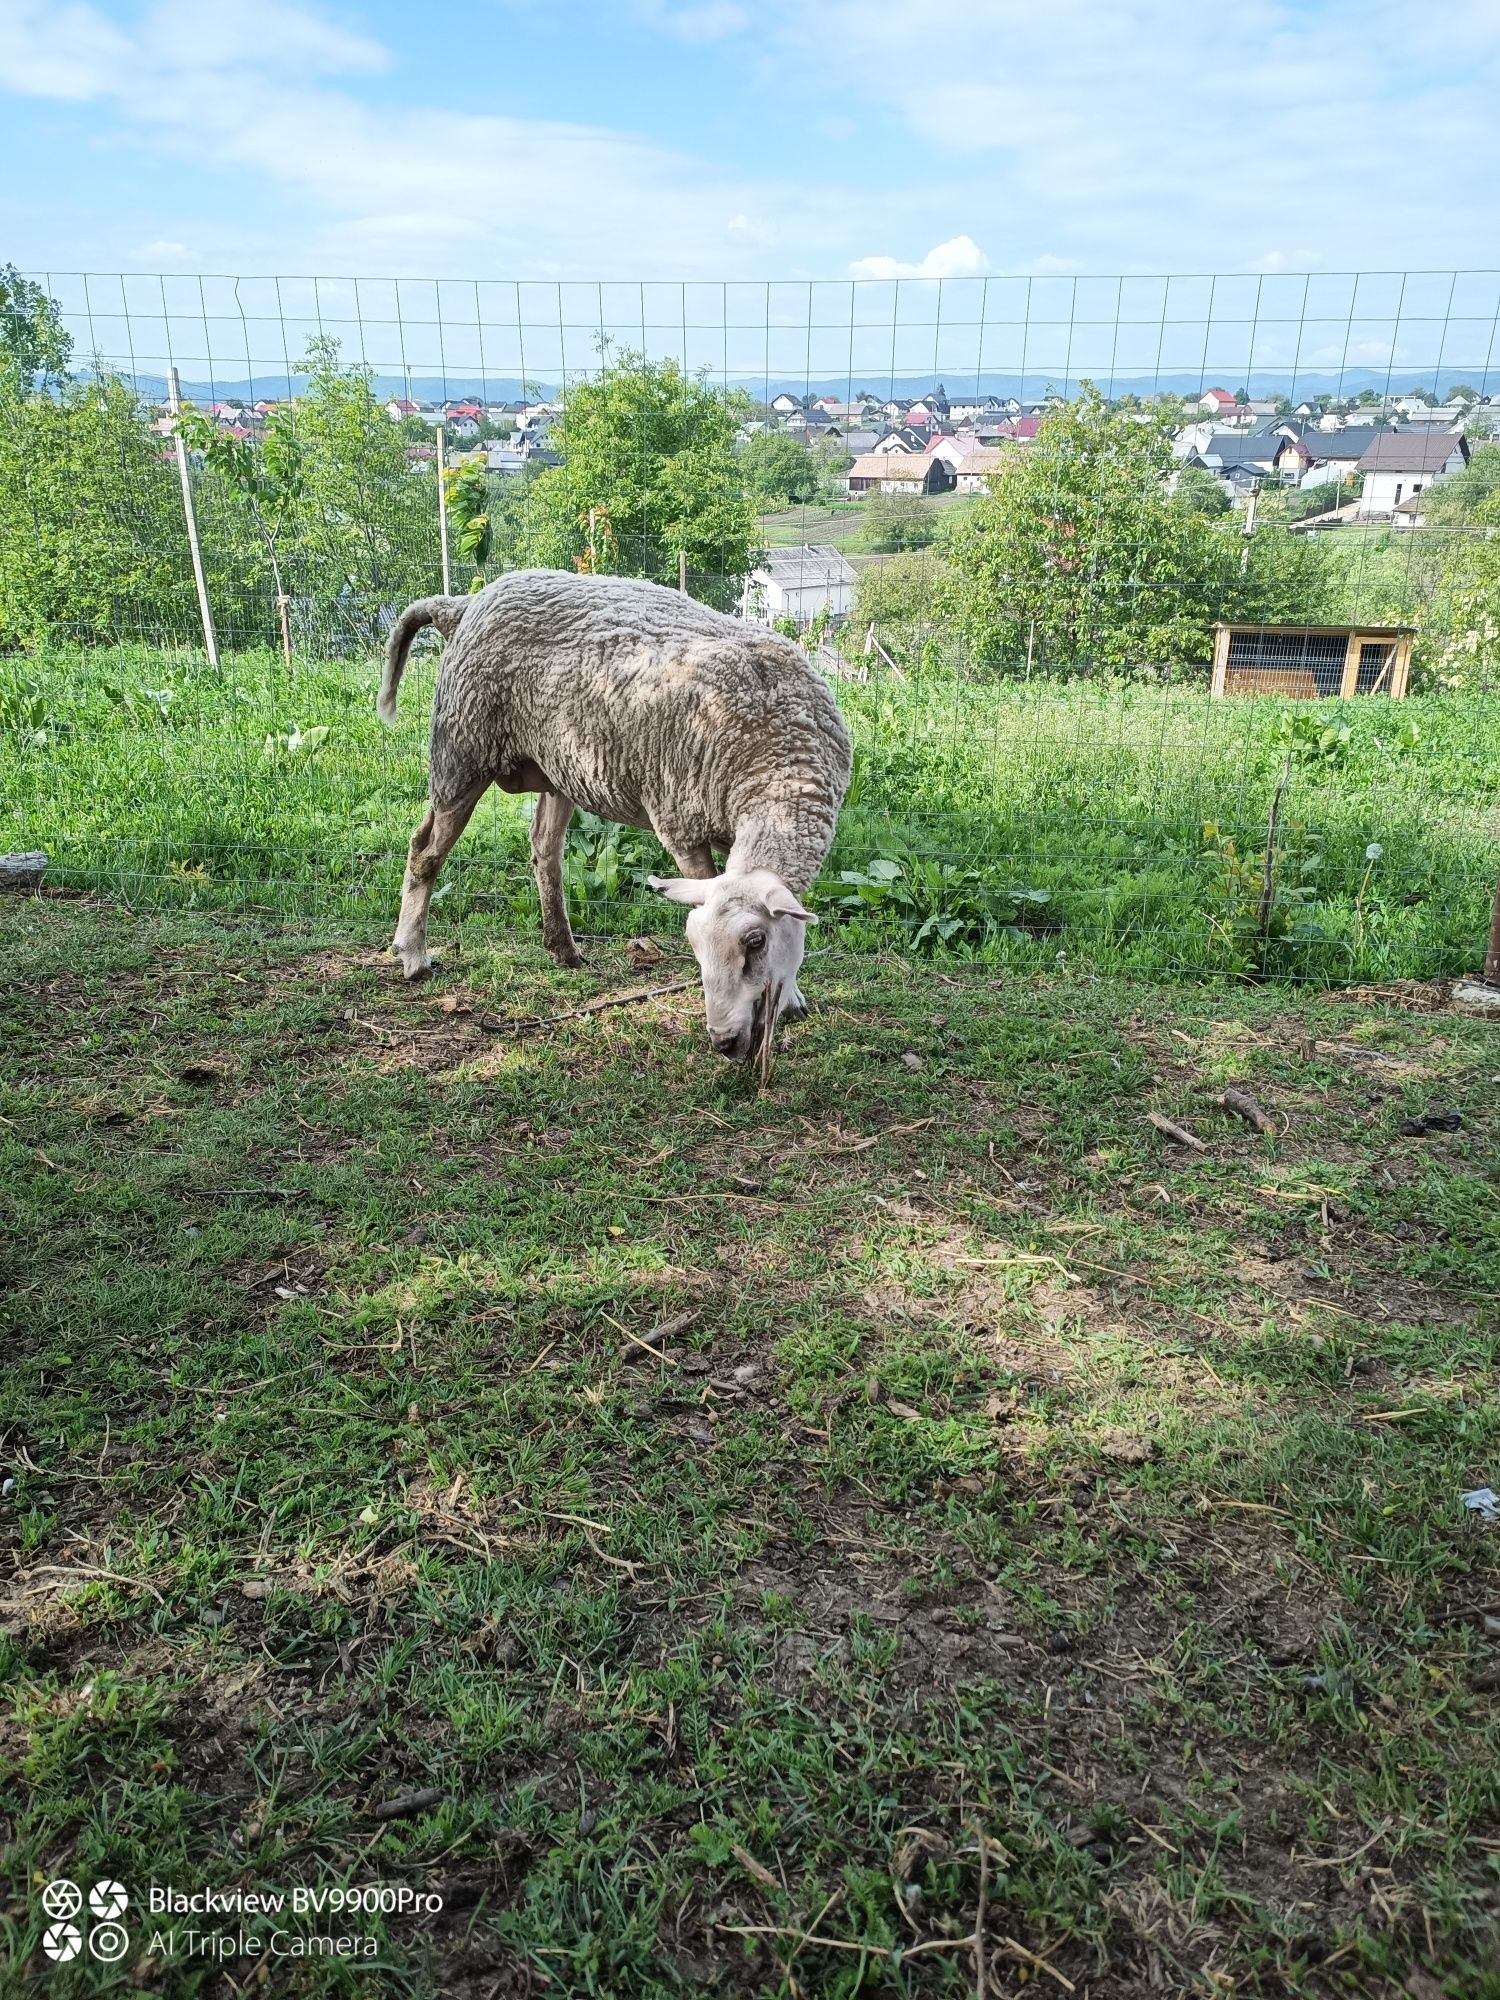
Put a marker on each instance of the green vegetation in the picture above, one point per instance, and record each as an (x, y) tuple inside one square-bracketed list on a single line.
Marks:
[(143, 773), (1079, 553), (899, 521), (778, 471), (765, 1527), (648, 477)]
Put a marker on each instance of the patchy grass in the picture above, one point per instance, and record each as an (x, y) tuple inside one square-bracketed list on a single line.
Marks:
[(766, 1528)]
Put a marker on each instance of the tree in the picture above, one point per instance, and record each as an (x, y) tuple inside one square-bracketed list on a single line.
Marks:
[(92, 541), (466, 495), (895, 521), (1470, 498), (901, 598), (267, 474), (1200, 493), (1079, 555), (344, 524), (1462, 392), (33, 341), (368, 529), (649, 476), (778, 470)]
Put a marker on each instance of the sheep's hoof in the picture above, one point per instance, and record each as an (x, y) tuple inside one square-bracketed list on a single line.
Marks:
[(414, 964), (567, 955)]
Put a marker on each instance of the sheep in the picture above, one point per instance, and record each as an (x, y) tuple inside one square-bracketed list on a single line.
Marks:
[(642, 706)]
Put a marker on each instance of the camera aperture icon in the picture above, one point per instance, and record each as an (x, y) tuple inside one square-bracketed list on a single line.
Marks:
[(62, 1898), (61, 1942), (109, 1899)]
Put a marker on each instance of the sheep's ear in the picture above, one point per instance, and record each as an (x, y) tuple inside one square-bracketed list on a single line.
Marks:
[(680, 889), (782, 903)]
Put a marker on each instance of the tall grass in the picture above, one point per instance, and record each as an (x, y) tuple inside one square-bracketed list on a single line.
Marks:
[(1037, 822)]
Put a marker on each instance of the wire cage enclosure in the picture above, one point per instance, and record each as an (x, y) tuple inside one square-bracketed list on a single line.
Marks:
[(1312, 662)]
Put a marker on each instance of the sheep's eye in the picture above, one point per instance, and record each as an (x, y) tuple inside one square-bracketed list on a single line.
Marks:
[(755, 940)]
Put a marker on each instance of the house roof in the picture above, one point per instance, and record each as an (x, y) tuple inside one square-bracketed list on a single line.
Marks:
[(908, 466), (983, 458), (1353, 441), (1231, 448), (1223, 395), (806, 568), (1405, 451)]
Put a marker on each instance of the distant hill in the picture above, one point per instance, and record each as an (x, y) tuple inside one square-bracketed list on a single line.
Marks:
[(1304, 382)]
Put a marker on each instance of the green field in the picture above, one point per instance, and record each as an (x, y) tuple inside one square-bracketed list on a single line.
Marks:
[(909, 1532), (1008, 822), (844, 523)]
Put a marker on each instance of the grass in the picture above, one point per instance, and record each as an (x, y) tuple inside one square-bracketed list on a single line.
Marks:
[(145, 775), (765, 1528), (843, 523)]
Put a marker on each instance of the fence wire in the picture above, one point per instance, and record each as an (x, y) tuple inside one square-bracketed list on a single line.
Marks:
[(1010, 513)]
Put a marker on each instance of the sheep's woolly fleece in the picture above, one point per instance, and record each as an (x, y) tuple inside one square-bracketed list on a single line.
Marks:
[(640, 705)]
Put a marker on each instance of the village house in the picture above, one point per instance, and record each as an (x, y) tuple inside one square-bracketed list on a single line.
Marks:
[(1401, 464), (898, 472), (799, 583), (902, 439), (976, 468), (1321, 458), (964, 409)]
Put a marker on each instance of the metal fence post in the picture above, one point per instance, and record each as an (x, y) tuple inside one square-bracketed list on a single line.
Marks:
[(205, 609)]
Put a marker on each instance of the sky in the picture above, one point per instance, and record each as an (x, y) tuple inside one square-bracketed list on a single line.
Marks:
[(738, 140)]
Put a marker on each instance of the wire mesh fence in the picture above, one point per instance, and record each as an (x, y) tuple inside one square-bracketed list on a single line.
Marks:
[(1005, 516)]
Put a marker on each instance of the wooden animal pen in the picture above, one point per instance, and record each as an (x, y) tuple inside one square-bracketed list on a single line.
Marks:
[(1314, 662)]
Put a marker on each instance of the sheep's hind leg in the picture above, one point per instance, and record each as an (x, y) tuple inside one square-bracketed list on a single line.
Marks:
[(549, 830), (430, 846)]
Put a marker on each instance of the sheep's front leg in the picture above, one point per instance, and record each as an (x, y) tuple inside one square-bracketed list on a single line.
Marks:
[(549, 829), (696, 863), (430, 846)]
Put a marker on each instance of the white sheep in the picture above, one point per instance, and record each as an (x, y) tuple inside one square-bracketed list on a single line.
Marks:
[(642, 706)]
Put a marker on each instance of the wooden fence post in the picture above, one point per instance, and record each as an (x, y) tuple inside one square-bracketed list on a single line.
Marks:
[(443, 515), (205, 609)]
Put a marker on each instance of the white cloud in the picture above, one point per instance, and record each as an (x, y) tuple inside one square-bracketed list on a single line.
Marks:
[(959, 257), (1165, 135), (707, 21), (267, 95)]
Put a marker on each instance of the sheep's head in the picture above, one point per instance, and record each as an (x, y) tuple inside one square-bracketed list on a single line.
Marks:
[(747, 934)]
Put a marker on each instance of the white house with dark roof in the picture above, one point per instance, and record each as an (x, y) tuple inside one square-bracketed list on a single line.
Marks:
[(1401, 464), (1321, 458), (799, 583)]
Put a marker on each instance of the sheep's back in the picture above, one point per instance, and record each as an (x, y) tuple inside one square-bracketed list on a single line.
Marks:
[(636, 700)]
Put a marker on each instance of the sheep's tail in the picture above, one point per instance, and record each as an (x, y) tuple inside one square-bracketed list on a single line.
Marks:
[(444, 612)]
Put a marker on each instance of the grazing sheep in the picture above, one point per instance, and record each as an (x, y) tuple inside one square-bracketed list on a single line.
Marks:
[(643, 706)]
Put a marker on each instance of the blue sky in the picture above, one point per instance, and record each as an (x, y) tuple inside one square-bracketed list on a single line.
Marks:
[(746, 139)]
